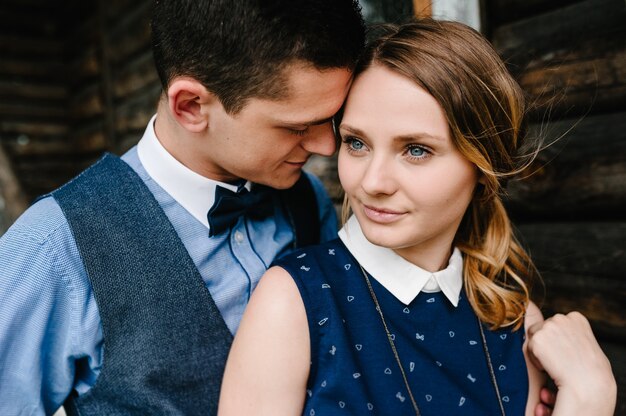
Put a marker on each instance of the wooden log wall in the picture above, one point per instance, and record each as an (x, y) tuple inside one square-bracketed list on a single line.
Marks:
[(33, 93), (76, 79), (12, 199), (114, 89), (570, 57), (133, 84)]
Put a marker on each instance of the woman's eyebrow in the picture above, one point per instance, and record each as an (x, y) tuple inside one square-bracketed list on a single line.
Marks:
[(404, 138)]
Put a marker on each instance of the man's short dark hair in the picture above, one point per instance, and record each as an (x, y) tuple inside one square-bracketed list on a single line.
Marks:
[(238, 48)]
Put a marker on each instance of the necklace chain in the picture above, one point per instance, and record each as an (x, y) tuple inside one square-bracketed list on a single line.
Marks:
[(397, 356), (391, 343)]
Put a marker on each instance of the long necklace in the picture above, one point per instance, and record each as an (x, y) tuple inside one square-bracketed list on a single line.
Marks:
[(392, 344)]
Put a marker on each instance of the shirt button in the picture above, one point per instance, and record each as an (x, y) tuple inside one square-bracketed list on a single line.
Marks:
[(239, 237)]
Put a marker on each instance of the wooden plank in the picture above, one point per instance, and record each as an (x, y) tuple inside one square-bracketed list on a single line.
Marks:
[(35, 110), (616, 353), (88, 130), (579, 249), (106, 76), (598, 298), (87, 102), (127, 141), (133, 118), (132, 42), (147, 96), (85, 65), (57, 169), (118, 8), (502, 11), (136, 75), (35, 4), (591, 76), (51, 69), (12, 199), (135, 15), (87, 143), (22, 46), (39, 128), (562, 27), (29, 21), (423, 8), (584, 267), (43, 148), (40, 176), (85, 32), (33, 90), (583, 175)]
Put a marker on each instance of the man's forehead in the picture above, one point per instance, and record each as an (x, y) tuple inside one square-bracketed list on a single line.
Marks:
[(314, 96)]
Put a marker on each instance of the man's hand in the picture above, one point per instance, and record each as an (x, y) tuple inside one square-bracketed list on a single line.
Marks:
[(548, 398)]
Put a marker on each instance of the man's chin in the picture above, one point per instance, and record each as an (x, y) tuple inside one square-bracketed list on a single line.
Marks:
[(284, 182)]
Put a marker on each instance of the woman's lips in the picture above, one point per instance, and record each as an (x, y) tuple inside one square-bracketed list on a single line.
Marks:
[(381, 215)]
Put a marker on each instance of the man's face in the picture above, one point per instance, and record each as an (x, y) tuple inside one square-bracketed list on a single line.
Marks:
[(269, 141)]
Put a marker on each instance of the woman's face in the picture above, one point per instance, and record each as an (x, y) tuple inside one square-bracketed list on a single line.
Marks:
[(407, 183)]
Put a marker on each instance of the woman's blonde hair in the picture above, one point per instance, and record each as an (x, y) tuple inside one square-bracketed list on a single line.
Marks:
[(485, 109)]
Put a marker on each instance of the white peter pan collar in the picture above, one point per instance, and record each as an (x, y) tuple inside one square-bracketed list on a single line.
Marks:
[(402, 278), (191, 190)]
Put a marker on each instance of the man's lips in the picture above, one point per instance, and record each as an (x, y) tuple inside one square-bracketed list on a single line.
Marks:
[(296, 163)]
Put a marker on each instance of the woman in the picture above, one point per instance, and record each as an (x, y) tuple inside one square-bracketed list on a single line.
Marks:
[(423, 304)]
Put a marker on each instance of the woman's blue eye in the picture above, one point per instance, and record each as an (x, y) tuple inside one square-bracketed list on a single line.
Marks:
[(355, 144), (416, 151)]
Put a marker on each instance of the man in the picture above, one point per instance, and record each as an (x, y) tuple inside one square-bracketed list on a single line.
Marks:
[(103, 283)]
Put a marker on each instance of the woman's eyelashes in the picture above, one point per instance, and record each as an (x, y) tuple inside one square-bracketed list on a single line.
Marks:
[(412, 151), (353, 144), (418, 152)]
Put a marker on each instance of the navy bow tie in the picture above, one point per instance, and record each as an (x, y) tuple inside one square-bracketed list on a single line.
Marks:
[(229, 206)]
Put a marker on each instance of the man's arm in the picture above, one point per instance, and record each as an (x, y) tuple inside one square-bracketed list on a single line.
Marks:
[(39, 319)]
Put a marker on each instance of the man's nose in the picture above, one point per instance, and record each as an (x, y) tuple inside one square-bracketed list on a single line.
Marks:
[(321, 140)]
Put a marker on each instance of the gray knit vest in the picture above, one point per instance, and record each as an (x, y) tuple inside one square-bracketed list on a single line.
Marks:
[(165, 341)]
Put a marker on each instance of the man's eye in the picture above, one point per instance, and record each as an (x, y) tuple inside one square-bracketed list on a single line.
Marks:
[(296, 132)]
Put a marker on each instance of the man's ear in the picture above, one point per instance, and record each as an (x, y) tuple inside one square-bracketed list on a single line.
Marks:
[(188, 101)]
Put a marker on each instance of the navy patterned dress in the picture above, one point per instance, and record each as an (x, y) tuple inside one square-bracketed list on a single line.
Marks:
[(353, 369)]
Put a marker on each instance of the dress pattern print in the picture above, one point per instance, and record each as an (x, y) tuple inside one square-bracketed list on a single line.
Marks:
[(353, 370)]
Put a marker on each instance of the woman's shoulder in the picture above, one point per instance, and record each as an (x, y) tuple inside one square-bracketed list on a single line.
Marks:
[(313, 256), (315, 267)]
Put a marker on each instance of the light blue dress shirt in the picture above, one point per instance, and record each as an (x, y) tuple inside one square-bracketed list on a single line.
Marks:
[(50, 331)]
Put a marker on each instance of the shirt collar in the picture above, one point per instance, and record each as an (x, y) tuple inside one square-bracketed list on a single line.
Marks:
[(191, 190), (402, 278)]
